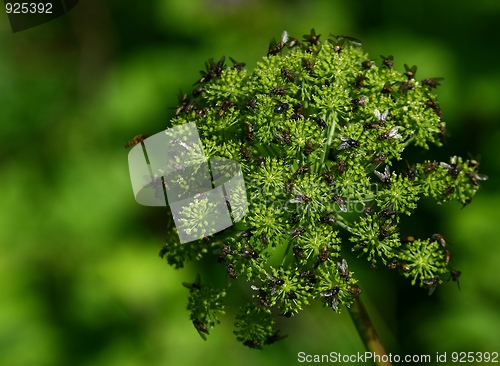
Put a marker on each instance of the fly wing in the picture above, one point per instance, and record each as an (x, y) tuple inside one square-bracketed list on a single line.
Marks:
[(393, 133), (345, 143), (343, 266), (381, 176), (284, 37), (384, 115)]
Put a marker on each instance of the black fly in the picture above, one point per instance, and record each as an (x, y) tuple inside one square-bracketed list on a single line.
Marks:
[(455, 275), (410, 71), (303, 169), (289, 186), (247, 155), (286, 138), (430, 167), (434, 105), (261, 295), (355, 290), (327, 220), (447, 256), (202, 329), (379, 159), (388, 61), (341, 166), (298, 232), (309, 65), (344, 270), (298, 111), (213, 70), (323, 255), (238, 66), (353, 40), (231, 271), (438, 238), (293, 42), (368, 64), (452, 168), (381, 117), (278, 91), (276, 283), (474, 177), (347, 143), (431, 284), (299, 252), (405, 86), (410, 172), (250, 135), (300, 198), (331, 297), (281, 108), (321, 123), (289, 75), (263, 239), (308, 148), (392, 134), (312, 37), (358, 102), (388, 211), (449, 190), (387, 88), (261, 161), (384, 232), (249, 253), (360, 79), (224, 106), (432, 82), (136, 140), (252, 103), (385, 177), (328, 178), (341, 202), (275, 48)]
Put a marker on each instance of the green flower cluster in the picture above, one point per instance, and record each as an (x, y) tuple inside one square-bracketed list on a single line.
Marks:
[(320, 131)]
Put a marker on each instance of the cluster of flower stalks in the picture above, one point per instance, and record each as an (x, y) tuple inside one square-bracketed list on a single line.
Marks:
[(320, 131)]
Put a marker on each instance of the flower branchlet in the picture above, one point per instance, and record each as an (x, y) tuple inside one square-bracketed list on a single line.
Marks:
[(205, 304), (320, 131), (256, 327)]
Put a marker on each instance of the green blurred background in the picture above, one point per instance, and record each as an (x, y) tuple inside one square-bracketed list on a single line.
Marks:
[(81, 282)]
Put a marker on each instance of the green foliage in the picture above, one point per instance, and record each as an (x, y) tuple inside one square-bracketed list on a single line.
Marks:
[(321, 132)]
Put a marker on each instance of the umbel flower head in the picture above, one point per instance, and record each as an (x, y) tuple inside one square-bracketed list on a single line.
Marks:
[(320, 130)]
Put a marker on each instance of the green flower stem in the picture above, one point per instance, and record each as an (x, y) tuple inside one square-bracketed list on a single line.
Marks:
[(285, 255), (366, 330), (343, 223), (409, 141), (331, 133), (267, 150)]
